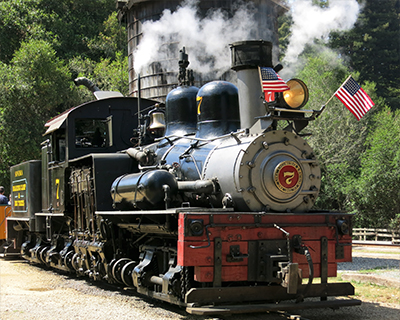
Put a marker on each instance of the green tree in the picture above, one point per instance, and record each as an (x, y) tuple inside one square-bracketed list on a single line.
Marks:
[(72, 26), (45, 44), (111, 40), (75, 24), (19, 20), (285, 23), (35, 86), (337, 137), (374, 47), (377, 194)]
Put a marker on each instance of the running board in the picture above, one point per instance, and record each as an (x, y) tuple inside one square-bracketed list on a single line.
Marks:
[(260, 294), (252, 308)]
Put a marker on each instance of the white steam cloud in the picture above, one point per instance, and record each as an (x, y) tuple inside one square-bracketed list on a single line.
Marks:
[(313, 22), (206, 39)]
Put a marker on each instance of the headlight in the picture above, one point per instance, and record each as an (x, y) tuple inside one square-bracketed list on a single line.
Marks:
[(297, 96)]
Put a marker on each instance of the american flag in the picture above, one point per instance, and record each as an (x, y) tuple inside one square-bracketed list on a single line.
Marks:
[(271, 82), (354, 98)]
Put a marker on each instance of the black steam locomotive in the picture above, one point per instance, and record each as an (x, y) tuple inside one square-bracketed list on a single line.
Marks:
[(205, 202)]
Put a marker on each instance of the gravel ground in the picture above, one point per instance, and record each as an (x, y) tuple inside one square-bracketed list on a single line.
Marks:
[(366, 258), (366, 263), (385, 266), (28, 292)]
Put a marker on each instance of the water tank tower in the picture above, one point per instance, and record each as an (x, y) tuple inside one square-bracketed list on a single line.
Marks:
[(156, 81)]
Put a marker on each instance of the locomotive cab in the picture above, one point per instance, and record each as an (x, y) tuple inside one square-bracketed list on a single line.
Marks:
[(78, 135)]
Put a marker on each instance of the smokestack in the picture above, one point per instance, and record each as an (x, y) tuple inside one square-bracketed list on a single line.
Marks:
[(247, 56)]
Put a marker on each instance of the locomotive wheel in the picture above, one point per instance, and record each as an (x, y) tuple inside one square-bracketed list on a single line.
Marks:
[(117, 269), (68, 260), (126, 273), (42, 254), (109, 268), (75, 261), (37, 251)]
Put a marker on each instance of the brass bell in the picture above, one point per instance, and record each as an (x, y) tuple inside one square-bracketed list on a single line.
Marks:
[(157, 120), (157, 125)]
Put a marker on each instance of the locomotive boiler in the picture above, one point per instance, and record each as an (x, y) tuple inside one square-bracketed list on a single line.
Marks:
[(205, 202)]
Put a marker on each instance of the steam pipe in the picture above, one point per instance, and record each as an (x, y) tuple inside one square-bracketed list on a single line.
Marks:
[(87, 83), (198, 186), (139, 112), (138, 155)]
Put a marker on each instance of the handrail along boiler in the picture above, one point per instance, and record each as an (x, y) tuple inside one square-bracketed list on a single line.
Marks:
[(210, 210)]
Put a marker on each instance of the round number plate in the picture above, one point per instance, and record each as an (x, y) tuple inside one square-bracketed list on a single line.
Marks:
[(288, 176)]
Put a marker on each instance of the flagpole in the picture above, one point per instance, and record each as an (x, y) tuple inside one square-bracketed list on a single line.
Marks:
[(337, 90), (318, 112), (324, 105)]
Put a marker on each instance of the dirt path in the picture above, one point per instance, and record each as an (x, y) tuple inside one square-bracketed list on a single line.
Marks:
[(28, 292)]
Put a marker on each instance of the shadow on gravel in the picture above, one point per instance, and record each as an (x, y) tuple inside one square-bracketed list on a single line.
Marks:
[(368, 310), (13, 258), (102, 288)]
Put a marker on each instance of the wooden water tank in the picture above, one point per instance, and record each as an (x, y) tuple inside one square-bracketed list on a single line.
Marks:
[(156, 82)]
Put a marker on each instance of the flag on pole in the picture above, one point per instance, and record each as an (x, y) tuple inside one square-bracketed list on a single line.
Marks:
[(354, 98), (271, 82)]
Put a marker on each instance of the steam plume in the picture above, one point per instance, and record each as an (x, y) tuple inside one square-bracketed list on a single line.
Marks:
[(313, 22), (206, 39)]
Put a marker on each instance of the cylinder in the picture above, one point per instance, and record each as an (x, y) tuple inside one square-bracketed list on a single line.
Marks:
[(143, 190)]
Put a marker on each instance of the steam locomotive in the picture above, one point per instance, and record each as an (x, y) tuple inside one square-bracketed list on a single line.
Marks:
[(204, 202)]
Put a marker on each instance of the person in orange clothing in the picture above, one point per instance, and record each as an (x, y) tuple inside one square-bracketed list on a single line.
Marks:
[(3, 198)]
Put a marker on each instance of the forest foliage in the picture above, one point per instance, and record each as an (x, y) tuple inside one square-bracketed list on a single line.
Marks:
[(45, 44), (359, 159)]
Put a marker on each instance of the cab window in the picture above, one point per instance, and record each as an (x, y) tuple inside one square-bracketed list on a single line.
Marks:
[(57, 145), (93, 133)]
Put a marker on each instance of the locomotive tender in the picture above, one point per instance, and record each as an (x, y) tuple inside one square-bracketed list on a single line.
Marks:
[(210, 210)]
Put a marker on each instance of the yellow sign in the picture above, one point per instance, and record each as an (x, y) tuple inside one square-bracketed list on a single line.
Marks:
[(19, 173), (19, 193), (19, 203), (19, 187)]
